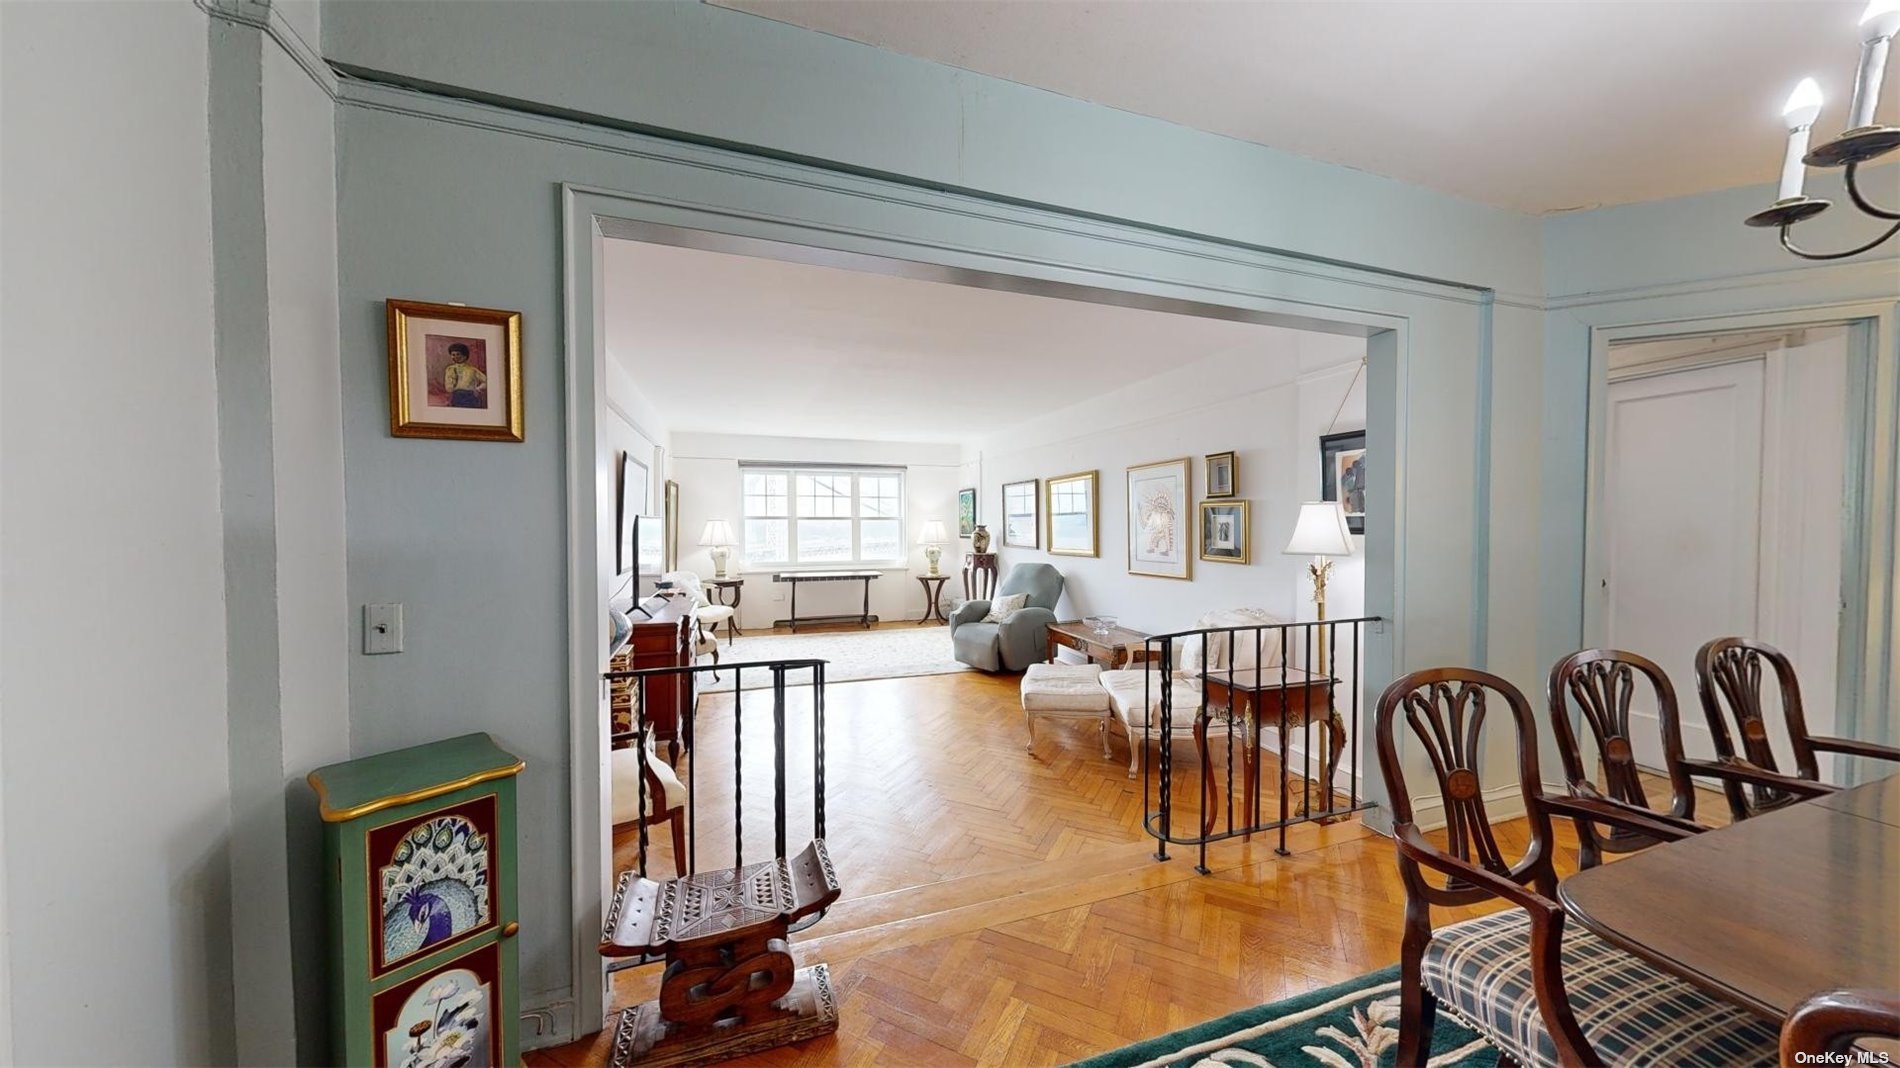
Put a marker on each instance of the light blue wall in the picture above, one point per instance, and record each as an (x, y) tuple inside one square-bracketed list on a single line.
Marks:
[(726, 76), (1653, 267), (455, 201)]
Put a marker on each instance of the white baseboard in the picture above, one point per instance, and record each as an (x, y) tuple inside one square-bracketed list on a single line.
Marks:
[(1501, 803)]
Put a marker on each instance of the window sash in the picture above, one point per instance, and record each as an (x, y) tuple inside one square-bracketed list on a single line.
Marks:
[(779, 503)]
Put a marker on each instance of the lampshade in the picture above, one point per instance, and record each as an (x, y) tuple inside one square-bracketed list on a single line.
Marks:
[(1321, 531), (933, 533), (717, 532)]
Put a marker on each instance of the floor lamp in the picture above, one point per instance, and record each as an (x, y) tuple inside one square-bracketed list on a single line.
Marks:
[(1321, 533)]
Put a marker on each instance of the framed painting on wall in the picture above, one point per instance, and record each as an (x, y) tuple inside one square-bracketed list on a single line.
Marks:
[(1074, 515), (1224, 531), (454, 372), (1223, 474), (672, 525), (1160, 523), (966, 512), (1022, 520), (1342, 472)]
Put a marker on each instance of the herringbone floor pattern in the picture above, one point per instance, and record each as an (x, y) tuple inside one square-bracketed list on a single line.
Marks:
[(1004, 907)]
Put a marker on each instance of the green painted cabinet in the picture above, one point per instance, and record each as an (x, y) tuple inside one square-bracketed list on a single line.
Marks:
[(419, 856)]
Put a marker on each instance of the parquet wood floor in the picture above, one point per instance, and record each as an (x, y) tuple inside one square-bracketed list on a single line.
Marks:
[(1004, 907)]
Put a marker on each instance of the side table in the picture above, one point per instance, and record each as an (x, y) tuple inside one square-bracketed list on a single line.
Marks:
[(716, 593), (979, 576), (933, 598), (1117, 649)]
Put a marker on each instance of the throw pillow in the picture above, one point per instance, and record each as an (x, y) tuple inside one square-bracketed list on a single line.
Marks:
[(1001, 608)]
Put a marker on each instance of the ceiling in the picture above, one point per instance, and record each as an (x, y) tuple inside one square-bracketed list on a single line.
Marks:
[(1534, 105), (731, 344)]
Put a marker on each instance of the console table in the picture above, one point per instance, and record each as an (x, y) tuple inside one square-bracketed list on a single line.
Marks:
[(797, 577)]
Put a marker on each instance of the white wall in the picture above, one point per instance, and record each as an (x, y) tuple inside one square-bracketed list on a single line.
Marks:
[(313, 614), (634, 425), (1269, 403), (707, 468), (1264, 403), (112, 660)]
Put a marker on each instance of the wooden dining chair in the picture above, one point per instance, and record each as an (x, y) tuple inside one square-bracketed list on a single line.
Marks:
[(1602, 683), (1728, 672), (1834, 1022), (1538, 996)]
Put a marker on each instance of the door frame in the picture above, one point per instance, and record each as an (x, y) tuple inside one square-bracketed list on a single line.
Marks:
[(1864, 671), (1411, 326)]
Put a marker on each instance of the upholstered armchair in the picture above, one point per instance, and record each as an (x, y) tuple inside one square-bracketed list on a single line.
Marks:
[(1018, 641)]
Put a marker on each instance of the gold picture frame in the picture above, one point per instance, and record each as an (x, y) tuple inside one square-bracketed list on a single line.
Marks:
[(454, 372), (1221, 478), (1078, 494), (1161, 519), (1226, 532)]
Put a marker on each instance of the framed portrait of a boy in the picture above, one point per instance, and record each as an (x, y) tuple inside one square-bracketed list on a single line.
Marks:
[(454, 372)]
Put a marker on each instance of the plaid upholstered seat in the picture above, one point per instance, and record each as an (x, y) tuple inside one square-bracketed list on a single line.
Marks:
[(1631, 1012)]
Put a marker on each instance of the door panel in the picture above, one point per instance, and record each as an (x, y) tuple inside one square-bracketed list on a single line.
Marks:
[(1683, 500)]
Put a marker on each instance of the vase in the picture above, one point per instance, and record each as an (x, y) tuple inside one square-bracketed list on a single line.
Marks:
[(980, 539)]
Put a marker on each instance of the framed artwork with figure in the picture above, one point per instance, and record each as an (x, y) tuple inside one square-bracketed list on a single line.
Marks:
[(966, 512), (454, 372), (1160, 519), (1342, 472), (1224, 531)]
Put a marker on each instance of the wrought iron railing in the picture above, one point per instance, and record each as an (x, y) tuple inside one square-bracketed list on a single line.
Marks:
[(1223, 688), (716, 829)]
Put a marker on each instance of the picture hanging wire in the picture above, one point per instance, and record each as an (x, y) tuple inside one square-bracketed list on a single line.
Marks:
[(1357, 371)]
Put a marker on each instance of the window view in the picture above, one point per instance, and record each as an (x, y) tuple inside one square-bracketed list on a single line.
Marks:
[(838, 517)]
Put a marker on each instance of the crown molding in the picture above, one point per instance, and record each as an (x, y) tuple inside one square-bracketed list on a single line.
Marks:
[(1843, 275), (266, 17)]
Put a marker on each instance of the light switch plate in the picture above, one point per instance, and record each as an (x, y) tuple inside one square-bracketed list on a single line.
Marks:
[(382, 628)]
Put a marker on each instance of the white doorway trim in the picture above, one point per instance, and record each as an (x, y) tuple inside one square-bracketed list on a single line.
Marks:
[(1332, 298), (1865, 682)]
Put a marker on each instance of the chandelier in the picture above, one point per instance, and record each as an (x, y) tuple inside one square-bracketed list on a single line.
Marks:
[(1863, 140)]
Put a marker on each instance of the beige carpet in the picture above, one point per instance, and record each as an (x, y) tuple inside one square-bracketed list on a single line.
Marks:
[(884, 653)]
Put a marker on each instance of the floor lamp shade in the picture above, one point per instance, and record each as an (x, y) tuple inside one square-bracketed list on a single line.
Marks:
[(1320, 531)]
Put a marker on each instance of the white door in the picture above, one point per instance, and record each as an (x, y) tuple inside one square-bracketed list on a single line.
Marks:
[(1682, 496)]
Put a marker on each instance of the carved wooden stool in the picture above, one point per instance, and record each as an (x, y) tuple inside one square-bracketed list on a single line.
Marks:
[(731, 986)]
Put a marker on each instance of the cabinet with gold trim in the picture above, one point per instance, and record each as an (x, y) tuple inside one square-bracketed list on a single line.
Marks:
[(419, 864)]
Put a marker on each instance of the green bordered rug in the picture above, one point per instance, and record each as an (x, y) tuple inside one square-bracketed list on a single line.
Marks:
[(1354, 1024)]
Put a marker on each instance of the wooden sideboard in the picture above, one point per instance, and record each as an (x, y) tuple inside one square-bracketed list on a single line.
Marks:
[(665, 631)]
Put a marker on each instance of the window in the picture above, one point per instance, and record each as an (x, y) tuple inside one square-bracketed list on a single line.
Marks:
[(822, 517)]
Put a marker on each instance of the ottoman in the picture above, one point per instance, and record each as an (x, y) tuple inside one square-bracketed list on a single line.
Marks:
[(1065, 691)]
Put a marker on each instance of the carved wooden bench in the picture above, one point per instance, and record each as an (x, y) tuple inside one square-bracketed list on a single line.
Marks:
[(731, 986)]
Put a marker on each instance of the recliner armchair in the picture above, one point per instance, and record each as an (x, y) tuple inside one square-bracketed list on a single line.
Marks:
[(1022, 639)]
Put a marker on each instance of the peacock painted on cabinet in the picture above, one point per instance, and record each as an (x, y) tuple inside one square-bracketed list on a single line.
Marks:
[(419, 845)]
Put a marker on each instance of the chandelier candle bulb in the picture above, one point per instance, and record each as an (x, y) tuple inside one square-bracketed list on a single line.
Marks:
[(1803, 107), (1878, 24)]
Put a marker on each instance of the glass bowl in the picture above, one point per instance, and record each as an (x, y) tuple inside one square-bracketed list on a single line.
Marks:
[(1101, 625)]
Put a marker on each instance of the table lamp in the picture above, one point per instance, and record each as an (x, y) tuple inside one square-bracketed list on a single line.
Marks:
[(718, 537), (932, 538), (1320, 533)]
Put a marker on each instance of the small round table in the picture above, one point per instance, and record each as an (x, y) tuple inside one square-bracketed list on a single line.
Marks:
[(716, 593), (933, 598)]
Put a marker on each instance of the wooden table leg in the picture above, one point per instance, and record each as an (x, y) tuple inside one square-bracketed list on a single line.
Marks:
[(867, 604)]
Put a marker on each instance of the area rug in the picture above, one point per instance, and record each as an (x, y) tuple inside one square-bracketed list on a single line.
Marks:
[(885, 653), (1354, 1024)]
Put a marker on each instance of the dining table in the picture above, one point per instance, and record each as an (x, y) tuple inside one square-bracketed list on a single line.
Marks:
[(1765, 912)]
